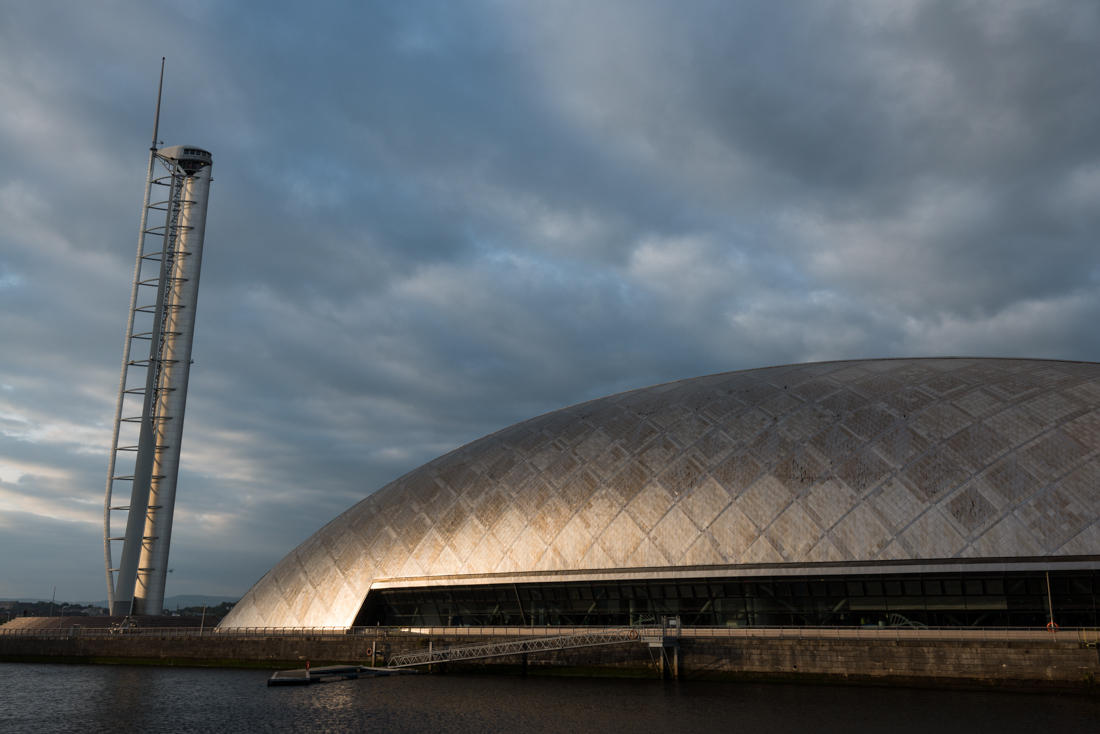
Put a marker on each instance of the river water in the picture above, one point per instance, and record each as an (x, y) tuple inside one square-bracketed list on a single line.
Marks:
[(110, 698)]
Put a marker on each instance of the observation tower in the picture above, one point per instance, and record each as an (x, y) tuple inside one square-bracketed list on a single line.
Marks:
[(156, 359)]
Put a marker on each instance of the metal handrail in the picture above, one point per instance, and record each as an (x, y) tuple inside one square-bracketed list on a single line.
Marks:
[(506, 648), (1063, 634)]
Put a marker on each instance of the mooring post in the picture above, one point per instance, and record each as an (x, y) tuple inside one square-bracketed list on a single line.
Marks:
[(678, 659)]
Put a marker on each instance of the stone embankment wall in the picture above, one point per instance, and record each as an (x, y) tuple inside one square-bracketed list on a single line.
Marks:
[(1031, 665)]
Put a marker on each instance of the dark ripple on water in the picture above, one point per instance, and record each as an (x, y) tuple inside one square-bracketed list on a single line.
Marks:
[(92, 699)]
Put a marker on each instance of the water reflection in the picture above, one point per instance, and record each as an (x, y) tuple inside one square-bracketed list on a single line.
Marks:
[(39, 698)]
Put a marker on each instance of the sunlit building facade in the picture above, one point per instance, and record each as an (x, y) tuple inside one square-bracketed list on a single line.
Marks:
[(885, 492)]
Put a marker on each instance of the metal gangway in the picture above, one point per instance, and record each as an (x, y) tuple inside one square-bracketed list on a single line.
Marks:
[(515, 647)]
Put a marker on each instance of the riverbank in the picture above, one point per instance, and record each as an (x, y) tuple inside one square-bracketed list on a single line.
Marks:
[(1064, 662)]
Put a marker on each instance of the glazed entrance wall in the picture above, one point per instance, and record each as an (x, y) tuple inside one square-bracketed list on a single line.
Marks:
[(943, 600)]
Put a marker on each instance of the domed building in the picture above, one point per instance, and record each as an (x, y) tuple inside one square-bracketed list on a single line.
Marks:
[(894, 491)]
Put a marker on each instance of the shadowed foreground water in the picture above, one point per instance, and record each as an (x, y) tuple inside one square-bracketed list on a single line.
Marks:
[(87, 698)]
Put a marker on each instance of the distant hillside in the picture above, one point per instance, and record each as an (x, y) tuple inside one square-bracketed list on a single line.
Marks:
[(197, 600), (184, 600), (188, 600)]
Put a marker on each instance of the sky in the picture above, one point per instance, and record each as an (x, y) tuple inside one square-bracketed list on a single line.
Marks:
[(430, 220)]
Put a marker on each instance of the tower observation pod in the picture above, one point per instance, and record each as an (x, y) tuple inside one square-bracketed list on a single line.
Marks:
[(152, 394)]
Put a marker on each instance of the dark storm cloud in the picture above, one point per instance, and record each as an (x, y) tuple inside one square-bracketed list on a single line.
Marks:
[(430, 220)]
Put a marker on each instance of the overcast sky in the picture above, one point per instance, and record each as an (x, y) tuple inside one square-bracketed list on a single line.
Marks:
[(431, 220)]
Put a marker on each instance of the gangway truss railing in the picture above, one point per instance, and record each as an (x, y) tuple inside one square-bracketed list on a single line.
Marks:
[(514, 647)]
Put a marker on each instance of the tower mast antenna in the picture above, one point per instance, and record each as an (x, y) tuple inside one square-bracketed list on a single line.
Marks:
[(156, 118)]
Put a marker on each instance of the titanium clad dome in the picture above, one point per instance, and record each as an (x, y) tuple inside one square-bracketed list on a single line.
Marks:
[(860, 462)]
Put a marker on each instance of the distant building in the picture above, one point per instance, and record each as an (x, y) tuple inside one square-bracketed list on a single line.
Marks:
[(884, 492)]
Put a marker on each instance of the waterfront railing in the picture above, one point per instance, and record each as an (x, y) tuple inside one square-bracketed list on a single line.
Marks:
[(1086, 635)]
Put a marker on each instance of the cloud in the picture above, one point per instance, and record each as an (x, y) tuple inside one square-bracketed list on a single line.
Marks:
[(429, 221)]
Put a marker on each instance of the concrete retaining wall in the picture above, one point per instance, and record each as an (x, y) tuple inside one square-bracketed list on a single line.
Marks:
[(1068, 666)]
